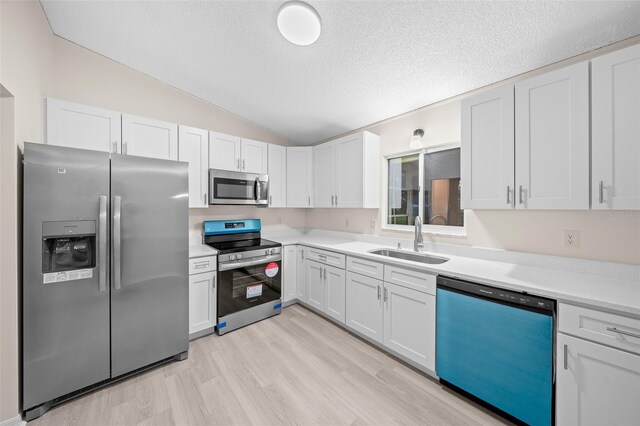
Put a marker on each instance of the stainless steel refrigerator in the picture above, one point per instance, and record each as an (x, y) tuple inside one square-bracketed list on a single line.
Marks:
[(105, 269)]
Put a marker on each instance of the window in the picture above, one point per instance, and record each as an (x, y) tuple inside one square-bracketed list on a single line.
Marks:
[(426, 184)]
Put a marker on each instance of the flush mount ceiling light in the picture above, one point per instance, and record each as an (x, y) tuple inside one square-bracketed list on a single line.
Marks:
[(299, 23), (416, 139)]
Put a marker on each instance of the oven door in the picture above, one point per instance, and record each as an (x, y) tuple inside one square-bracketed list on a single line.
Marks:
[(238, 188), (250, 283)]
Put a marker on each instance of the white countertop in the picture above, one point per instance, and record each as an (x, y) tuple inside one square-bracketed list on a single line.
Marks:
[(200, 250), (615, 294)]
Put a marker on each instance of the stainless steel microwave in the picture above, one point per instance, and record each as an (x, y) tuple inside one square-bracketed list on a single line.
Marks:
[(227, 187)]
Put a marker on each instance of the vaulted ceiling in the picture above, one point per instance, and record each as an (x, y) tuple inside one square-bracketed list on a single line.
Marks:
[(374, 59)]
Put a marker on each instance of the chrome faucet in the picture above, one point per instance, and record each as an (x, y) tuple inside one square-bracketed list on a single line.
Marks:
[(418, 243)]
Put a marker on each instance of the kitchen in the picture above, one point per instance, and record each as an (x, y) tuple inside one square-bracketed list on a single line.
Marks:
[(364, 336)]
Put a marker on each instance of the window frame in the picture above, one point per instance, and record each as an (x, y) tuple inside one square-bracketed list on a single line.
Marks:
[(451, 231)]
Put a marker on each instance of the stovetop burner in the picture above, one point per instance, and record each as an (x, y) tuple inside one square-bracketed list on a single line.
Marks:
[(238, 246)]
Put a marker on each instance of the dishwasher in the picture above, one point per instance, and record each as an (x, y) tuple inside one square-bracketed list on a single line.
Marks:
[(497, 347)]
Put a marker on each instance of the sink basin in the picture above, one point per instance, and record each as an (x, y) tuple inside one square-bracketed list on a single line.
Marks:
[(412, 256)]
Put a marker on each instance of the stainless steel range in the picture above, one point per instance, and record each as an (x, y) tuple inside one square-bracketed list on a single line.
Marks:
[(249, 272)]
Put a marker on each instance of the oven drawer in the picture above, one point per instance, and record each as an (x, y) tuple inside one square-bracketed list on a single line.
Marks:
[(326, 257), (198, 265), (602, 327)]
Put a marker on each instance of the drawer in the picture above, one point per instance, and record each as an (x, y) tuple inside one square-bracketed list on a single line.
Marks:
[(326, 257), (365, 267), (202, 264), (420, 281), (610, 329)]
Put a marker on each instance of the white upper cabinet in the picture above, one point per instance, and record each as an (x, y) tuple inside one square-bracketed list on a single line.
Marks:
[(324, 175), (254, 156), (487, 148), (81, 126), (299, 187), (615, 115), (224, 152), (193, 147), (552, 140), (146, 137), (277, 176), (347, 172)]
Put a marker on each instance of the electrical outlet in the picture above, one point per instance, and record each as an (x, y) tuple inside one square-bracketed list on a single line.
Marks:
[(279, 219), (571, 238)]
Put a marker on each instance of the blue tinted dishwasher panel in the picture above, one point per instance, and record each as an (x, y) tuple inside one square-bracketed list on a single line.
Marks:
[(499, 353)]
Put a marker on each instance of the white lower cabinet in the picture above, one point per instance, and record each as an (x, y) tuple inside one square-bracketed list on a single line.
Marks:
[(334, 284), (202, 302), (301, 274), (596, 384), (315, 285), (289, 276), (364, 305), (410, 323)]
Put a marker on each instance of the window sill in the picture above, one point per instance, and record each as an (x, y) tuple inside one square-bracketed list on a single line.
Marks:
[(435, 230)]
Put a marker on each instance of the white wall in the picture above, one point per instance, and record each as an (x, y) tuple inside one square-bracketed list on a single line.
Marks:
[(604, 235)]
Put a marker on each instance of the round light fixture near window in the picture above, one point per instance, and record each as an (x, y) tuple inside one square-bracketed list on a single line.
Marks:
[(299, 23)]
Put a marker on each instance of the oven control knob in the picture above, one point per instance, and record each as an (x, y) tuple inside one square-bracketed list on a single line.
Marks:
[(267, 252), (238, 256)]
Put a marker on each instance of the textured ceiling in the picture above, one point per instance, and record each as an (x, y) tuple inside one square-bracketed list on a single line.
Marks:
[(374, 59)]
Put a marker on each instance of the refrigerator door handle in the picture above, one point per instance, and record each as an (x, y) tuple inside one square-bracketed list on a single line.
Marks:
[(102, 244), (117, 267)]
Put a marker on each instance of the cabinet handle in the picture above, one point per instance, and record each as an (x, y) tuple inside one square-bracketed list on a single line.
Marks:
[(378, 292), (508, 195), (115, 147), (336, 201), (332, 201), (205, 198), (124, 148), (626, 333), (520, 191), (238, 164), (601, 192), (386, 294), (213, 287), (565, 356), (270, 199), (243, 164), (309, 197)]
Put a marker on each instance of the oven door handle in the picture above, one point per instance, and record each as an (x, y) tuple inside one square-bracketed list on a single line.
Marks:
[(243, 264)]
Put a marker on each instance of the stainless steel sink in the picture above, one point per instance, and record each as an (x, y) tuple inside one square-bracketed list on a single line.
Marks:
[(412, 256)]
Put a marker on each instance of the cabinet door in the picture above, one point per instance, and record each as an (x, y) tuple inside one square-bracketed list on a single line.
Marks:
[(324, 170), (315, 285), (145, 137), (335, 281), (193, 147), (81, 126), (202, 301), (349, 157), (487, 150), (364, 305), (615, 114), (289, 276), (596, 385), (277, 176), (299, 176), (552, 140), (224, 152), (254, 156), (301, 272), (409, 324)]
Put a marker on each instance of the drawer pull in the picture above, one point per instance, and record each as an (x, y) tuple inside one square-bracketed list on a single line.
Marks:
[(565, 357), (626, 333)]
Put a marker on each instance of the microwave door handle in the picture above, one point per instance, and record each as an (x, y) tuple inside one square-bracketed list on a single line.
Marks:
[(256, 189)]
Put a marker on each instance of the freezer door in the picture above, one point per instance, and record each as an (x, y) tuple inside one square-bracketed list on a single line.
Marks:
[(149, 286), (65, 293)]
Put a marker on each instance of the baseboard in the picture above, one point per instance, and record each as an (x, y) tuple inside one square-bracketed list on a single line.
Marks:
[(16, 421)]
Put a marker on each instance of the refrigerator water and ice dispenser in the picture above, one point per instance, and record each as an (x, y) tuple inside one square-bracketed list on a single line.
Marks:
[(68, 246)]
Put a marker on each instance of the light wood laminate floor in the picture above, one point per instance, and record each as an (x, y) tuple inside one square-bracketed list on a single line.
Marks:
[(295, 368)]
